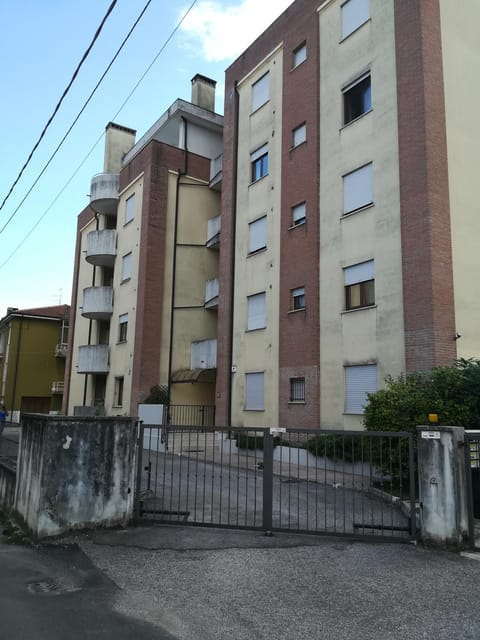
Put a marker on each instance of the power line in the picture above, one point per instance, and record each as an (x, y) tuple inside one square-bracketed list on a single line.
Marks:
[(67, 89), (25, 238), (77, 117)]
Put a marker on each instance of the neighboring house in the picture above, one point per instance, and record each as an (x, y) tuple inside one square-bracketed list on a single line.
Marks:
[(145, 291), (33, 347), (350, 219)]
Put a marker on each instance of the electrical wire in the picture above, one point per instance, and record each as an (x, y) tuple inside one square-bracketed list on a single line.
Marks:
[(163, 47), (55, 111), (77, 116)]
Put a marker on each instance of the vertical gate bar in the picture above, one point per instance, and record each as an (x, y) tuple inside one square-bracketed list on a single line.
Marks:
[(170, 505), (468, 472), (196, 477), (157, 455), (344, 492), (334, 484), (325, 486), (354, 480), (204, 433), (411, 464), (165, 458), (214, 445), (255, 467), (308, 485), (298, 491), (221, 476), (180, 471), (188, 471), (267, 481), (139, 469), (230, 478), (238, 486)]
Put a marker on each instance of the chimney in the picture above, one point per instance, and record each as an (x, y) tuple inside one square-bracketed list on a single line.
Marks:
[(203, 92), (118, 140)]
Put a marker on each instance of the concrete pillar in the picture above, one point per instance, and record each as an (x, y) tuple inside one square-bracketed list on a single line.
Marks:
[(442, 486)]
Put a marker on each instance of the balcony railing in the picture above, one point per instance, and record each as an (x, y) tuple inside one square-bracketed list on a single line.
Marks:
[(211, 294), (57, 387), (93, 358), (104, 193), (61, 350), (97, 303), (216, 173), (213, 232), (102, 247)]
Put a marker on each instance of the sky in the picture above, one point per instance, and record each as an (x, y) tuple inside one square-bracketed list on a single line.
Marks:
[(41, 46)]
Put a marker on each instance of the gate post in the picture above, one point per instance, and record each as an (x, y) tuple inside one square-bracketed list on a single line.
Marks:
[(267, 481), (442, 484), (138, 483)]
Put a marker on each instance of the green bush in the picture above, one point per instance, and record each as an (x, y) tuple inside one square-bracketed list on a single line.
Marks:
[(338, 447), (252, 442)]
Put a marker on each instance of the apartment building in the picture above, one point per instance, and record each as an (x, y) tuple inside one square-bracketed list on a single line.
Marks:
[(33, 348), (145, 292), (349, 221)]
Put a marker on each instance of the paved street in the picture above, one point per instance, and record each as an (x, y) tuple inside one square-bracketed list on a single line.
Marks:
[(209, 584)]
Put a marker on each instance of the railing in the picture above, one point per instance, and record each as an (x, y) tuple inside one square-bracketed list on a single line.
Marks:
[(189, 414), (58, 387), (61, 350)]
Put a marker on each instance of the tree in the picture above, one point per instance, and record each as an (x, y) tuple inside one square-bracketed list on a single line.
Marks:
[(451, 392)]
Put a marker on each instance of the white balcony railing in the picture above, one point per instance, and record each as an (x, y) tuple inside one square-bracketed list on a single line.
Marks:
[(61, 350), (93, 358), (102, 247), (203, 354), (58, 387), (104, 193), (97, 303), (213, 232), (211, 293), (216, 173)]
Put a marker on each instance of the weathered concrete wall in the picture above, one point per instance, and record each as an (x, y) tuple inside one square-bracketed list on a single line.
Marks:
[(75, 473), (7, 487), (442, 484)]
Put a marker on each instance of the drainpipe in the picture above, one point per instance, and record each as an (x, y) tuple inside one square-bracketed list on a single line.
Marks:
[(233, 243), (174, 259), (5, 364)]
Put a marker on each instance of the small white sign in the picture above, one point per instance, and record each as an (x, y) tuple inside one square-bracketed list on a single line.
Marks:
[(431, 435), (277, 430)]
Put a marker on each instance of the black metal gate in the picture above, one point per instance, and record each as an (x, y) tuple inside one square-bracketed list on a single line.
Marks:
[(303, 481)]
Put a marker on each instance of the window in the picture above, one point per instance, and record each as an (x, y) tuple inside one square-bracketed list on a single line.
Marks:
[(358, 189), (257, 235), (130, 208), (122, 327), (359, 285), (297, 298), (359, 381), (259, 160), (299, 213), (300, 135), (299, 55), (256, 312), (126, 266), (260, 92), (118, 399), (254, 391), (297, 389), (357, 99), (354, 14)]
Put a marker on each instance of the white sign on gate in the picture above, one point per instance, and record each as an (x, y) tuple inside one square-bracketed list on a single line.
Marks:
[(152, 417)]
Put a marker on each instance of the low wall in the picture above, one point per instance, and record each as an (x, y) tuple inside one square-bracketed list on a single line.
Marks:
[(75, 473), (7, 487)]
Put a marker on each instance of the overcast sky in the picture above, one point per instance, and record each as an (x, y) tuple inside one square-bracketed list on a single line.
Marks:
[(41, 45)]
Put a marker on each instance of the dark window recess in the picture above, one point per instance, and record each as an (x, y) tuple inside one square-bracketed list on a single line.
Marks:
[(360, 294), (357, 100)]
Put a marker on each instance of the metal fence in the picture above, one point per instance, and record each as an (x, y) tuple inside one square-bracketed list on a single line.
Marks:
[(197, 415), (472, 466), (341, 483)]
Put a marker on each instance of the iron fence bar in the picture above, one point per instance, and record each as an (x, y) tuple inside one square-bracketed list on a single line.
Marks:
[(267, 481), (411, 464)]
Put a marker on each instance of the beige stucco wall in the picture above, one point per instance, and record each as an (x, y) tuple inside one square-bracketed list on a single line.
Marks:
[(461, 62), (124, 299), (257, 351), (373, 335), (195, 264)]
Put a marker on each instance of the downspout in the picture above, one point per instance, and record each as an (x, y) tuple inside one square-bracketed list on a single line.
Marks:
[(5, 364), (90, 322), (233, 242), (174, 258)]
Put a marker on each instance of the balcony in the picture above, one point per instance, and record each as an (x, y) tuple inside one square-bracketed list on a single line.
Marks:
[(211, 294), (93, 359), (203, 354), (97, 303), (57, 388), (102, 247), (61, 350), (216, 173), (104, 193), (213, 233)]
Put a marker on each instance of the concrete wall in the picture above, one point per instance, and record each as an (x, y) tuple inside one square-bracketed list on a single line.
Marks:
[(75, 473), (442, 484)]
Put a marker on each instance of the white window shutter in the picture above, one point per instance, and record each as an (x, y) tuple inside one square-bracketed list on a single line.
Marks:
[(254, 391), (256, 311), (359, 381), (359, 272), (354, 14), (258, 234), (358, 188)]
